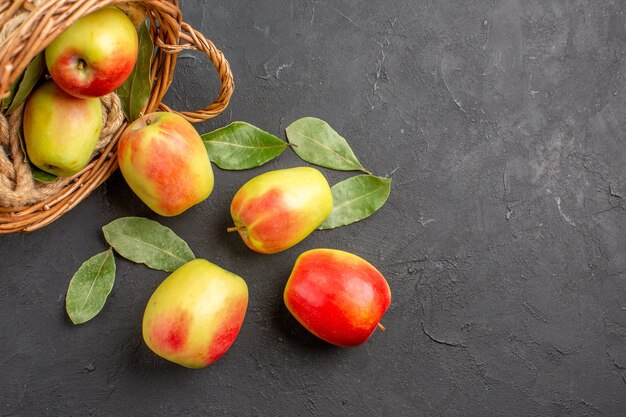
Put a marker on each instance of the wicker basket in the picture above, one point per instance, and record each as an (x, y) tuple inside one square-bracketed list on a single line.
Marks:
[(26, 28)]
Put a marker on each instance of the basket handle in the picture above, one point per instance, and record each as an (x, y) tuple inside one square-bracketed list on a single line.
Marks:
[(193, 39)]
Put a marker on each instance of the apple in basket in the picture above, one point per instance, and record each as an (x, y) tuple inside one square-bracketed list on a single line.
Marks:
[(60, 131), (95, 55)]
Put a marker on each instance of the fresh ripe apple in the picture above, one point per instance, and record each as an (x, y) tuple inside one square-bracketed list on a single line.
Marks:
[(195, 314), (277, 209), (60, 131), (164, 161), (95, 55), (337, 296)]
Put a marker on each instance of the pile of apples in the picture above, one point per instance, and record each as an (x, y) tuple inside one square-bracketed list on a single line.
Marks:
[(63, 116), (196, 313)]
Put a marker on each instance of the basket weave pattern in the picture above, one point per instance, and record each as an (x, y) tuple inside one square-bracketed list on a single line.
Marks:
[(26, 28)]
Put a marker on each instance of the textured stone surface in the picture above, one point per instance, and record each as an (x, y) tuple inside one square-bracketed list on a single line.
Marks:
[(504, 239)]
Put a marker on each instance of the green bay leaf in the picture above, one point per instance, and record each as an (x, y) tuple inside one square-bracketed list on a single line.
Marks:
[(356, 198), (316, 142), (6, 102), (241, 145), (32, 74), (148, 242), (42, 176), (90, 287), (135, 91)]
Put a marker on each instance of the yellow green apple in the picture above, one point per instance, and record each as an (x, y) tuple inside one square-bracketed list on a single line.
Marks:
[(95, 55), (195, 314), (164, 161), (60, 131), (336, 295), (276, 210)]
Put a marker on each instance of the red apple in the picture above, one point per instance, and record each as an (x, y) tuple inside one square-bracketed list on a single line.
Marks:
[(337, 296), (95, 55), (277, 209), (195, 315), (164, 161)]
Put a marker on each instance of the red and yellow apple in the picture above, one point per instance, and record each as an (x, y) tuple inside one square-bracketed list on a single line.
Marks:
[(164, 161), (95, 55), (337, 296), (60, 131), (195, 314), (277, 209)]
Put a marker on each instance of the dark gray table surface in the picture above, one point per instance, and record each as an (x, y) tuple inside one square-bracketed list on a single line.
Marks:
[(503, 240)]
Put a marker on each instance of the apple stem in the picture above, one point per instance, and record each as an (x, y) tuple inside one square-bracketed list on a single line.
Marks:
[(232, 229), (381, 327)]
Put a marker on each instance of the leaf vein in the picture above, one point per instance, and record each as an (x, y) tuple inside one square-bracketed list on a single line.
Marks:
[(236, 145), (149, 245), (347, 202), (357, 164), (106, 257)]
